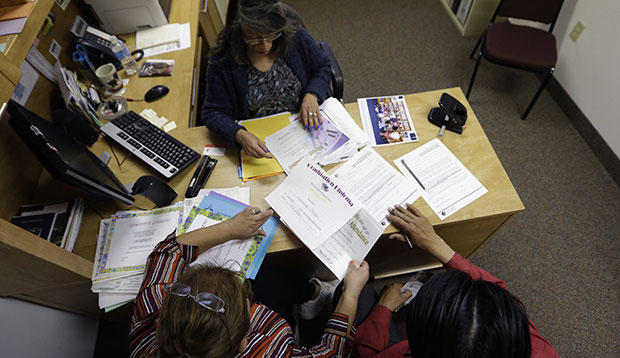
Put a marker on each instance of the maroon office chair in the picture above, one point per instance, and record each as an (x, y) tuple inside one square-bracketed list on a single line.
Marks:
[(521, 47)]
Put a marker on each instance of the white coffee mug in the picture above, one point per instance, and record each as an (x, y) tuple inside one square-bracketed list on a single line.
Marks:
[(108, 77)]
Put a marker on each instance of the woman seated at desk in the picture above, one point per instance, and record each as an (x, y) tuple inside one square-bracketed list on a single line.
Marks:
[(262, 64), (463, 312), (206, 311)]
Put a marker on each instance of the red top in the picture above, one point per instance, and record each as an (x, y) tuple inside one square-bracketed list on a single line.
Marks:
[(372, 336)]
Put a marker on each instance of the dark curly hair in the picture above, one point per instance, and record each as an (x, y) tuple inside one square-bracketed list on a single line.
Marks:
[(252, 16)]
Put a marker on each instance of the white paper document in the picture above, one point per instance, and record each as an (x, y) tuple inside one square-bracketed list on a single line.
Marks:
[(312, 205), (156, 36), (447, 186), (376, 183), (336, 140), (185, 41), (352, 242), (26, 84), (134, 235)]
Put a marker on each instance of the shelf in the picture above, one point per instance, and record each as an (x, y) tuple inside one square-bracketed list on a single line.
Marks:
[(18, 45), (478, 18)]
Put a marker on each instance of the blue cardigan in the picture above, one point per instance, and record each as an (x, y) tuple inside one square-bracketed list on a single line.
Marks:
[(226, 100)]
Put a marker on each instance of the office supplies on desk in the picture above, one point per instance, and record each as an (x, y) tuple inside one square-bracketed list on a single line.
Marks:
[(387, 120), (161, 151), (156, 93), (108, 77), (81, 56), (154, 189), (201, 175), (450, 115)]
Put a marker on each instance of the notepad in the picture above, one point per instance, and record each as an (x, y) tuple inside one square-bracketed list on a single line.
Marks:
[(255, 168)]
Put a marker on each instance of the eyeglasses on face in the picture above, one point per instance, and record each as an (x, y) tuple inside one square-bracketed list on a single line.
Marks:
[(207, 300), (269, 38)]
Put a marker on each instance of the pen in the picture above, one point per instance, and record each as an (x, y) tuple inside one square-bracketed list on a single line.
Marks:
[(414, 177), (408, 241)]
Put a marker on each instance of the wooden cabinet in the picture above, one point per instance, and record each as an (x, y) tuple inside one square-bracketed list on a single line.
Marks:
[(31, 268), (477, 19)]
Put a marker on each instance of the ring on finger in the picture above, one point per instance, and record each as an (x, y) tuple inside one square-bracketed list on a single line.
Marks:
[(253, 211), (311, 113)]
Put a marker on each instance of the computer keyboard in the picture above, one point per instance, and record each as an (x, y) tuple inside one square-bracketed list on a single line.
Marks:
[(162, 152)]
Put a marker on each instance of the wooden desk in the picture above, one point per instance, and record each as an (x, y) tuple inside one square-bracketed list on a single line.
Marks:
[(34, 269), (465, 231)]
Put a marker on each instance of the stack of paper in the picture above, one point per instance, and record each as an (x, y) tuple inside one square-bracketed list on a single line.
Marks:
[(58, 223), (124, 243), (337, 139), (13, 18), (161, 35), (127, 238)]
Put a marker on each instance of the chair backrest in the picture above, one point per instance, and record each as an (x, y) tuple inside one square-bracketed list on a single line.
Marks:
[(545, 11)]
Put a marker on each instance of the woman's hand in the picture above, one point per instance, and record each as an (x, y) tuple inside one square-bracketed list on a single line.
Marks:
[(355, 279), (392, 298), (252, 145), (310, 111), (247, 223), (420, 231)]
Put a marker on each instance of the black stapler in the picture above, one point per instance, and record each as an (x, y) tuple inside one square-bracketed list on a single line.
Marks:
[(451, 113)]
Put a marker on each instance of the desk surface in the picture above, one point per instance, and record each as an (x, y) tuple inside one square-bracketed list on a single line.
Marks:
[(472, 148)]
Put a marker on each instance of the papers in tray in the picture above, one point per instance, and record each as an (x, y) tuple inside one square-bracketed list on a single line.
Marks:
[(161, 35), (447, 185), (387, 120), (336, 140)]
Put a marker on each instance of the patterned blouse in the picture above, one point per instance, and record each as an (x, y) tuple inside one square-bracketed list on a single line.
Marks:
[(270, 335), (274, 91)]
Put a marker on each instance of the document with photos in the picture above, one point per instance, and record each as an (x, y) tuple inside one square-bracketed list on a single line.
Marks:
[(447, 185), (376, 183), (329, 220), (387, 120), (336, 140)]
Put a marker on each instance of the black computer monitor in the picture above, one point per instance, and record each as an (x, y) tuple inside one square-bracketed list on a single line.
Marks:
[(65, 158)]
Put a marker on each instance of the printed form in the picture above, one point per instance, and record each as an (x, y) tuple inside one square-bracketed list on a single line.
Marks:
[(447, 186), (376, 183), (311, 204)]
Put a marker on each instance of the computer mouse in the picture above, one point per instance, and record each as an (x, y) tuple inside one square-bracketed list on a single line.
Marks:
[(156, 93), (154, 189)]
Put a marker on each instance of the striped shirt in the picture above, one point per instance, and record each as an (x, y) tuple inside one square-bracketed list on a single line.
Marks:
[(270, 335)]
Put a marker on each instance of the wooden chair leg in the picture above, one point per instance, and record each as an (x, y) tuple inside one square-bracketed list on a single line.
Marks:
[(476, 47), (540, 89), (473, 76)]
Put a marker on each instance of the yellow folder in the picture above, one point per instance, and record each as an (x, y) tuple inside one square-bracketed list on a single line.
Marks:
[(256, 168)]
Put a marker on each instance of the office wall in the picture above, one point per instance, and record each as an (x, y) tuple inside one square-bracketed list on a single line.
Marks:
[(31, 330), (588, 69)]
